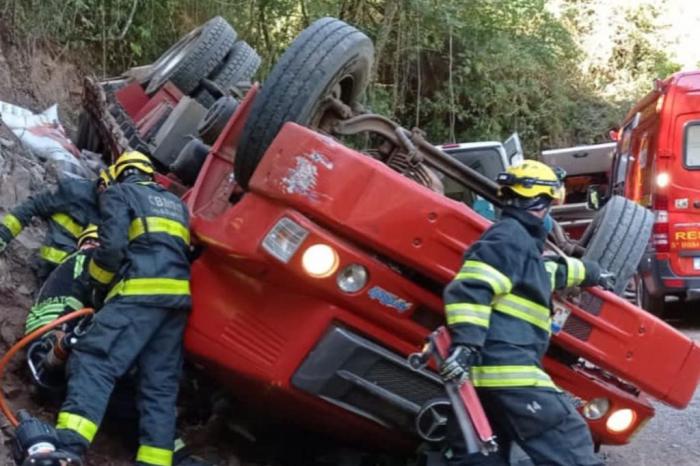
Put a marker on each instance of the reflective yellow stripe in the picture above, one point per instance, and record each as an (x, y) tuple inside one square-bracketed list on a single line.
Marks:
[(476, 270), (468, 313), (68, 224), (510, 376), (83, 426), (158, 225), (98, 273), (53, 255), (13, 224), (524, 309), (551, 267), (575, 272), (155, 456), (150, 286)]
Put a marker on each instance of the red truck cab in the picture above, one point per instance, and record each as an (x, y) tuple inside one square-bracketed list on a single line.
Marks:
[(657, 164)]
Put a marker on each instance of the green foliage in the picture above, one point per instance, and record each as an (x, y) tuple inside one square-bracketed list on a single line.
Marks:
[(462, 70)]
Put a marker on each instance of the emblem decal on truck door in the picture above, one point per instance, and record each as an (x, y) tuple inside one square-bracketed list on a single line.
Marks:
[(389, 299)]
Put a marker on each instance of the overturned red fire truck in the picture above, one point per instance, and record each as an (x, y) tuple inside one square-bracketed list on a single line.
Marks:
[(321, 266)]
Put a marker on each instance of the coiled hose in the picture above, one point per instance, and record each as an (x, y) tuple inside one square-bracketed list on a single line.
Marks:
[(4, 406)]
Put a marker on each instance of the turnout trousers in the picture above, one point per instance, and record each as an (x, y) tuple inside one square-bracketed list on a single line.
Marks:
[(542, 422), (125, 335)]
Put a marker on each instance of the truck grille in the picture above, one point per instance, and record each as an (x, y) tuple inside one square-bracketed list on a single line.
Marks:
[(578, 328), (591, 304), (403, 382), (363, 377)]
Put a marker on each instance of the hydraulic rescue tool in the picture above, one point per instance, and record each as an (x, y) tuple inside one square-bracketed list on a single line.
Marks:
[(468, 412), (35, 442), (46, 357)]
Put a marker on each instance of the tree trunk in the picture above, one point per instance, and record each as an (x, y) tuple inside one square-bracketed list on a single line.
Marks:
[(392, 6)]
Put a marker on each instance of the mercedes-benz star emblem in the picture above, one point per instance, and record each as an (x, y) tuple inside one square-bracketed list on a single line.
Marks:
[(431, 420)]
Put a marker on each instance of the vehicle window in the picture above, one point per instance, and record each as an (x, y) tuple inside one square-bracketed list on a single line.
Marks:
[(622, 160), (692, 145), (489, 163)]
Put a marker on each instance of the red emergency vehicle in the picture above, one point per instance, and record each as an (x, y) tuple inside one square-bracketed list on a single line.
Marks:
[(657, 164)]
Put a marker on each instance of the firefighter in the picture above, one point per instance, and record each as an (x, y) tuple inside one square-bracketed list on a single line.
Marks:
[(498, 310), (142, 270), (64, 291), (69, 208)]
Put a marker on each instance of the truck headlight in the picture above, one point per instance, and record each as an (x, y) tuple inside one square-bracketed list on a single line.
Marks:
[(319, 260), (283, 240), (620, 420), (663, 179), (596, 409), (352, 278)]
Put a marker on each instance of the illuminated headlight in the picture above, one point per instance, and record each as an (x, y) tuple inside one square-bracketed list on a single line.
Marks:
[(284, 239), (352, 278), (596, 408), (319, 260), (620, 420), (663, 179)]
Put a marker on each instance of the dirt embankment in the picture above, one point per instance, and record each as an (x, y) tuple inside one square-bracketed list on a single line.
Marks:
[(36, 77), (33, 78)]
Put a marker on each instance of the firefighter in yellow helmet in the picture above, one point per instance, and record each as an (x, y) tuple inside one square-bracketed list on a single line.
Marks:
[(63, 292), (106, 178), (60, 293), (498, 310), (142, 269)]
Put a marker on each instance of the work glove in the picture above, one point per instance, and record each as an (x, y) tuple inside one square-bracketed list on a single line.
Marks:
[(606, 280), (456, 366)]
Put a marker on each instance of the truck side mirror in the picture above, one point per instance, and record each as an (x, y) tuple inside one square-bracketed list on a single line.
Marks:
[(593, 197)]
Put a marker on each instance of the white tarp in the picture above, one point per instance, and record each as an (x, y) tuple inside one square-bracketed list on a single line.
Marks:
[(44, 136)]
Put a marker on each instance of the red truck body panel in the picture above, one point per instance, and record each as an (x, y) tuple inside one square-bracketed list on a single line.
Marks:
[(378, 207)]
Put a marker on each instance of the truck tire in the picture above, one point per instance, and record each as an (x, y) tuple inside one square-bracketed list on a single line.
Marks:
[(216, 118), (193, 57), (189, 161), (620, 237), (328, 58), (240, 64), (652, 304)]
